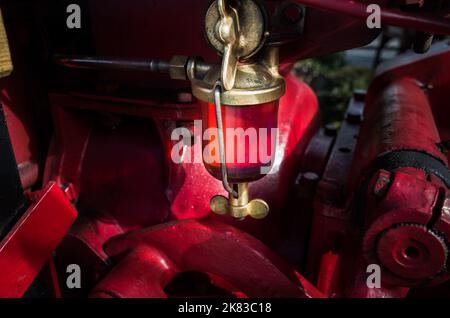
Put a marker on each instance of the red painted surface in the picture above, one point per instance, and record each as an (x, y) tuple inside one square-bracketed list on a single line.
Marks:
[(435, 24), (205, 246), (28, 246), (405, 122), (145, 220), (103, 180), (405, 227), (399, 236), (113, 24)]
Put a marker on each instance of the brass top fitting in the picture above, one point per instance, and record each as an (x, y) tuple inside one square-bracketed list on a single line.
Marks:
[(255, 83), (236, 30)]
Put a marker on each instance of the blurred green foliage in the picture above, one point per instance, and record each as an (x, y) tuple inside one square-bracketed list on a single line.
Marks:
[(333, 79)]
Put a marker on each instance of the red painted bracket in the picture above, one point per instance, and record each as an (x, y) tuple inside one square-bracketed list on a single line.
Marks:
[(29, 245)]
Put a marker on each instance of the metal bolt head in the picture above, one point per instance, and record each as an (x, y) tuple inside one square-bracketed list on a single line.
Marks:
[(331, 129), (177, 68)]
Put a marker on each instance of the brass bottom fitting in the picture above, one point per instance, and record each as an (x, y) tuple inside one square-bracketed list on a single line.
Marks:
[(239, 207)]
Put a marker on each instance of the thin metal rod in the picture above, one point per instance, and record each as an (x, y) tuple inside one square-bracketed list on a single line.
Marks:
[(223, 166), (109, 63), (425, 22)]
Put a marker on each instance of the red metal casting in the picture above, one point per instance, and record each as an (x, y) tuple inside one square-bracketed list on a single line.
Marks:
[(405, 209), (85, 169), (401, 236), (205, 246), (145, 224)]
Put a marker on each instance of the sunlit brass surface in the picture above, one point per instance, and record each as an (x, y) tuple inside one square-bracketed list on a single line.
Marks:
[(255, 83), (239, 207), (236, 31), (6, 65)]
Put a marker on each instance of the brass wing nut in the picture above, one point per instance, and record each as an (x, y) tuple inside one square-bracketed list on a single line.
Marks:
[(240, 207)]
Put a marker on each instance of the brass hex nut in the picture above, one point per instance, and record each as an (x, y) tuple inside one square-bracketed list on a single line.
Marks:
[(177, 69)]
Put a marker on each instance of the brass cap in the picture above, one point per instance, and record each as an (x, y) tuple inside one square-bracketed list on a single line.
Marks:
[(252, 27)]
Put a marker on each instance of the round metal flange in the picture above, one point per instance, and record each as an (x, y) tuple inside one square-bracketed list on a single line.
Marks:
[(252, 27), (412, 252)]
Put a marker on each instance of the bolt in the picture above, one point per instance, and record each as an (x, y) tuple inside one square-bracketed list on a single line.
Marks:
[(354, 116), (331, 129), (306, 183), (177, 68)]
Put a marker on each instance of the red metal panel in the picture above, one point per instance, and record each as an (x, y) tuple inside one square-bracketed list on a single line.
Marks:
[(31, 242)]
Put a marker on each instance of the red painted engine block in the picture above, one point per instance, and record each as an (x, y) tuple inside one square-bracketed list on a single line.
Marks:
[(374, 192)]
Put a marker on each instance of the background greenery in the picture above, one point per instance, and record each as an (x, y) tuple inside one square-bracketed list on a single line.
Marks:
[(333, 79)]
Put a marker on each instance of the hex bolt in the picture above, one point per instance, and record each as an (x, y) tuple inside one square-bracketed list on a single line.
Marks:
[(331, 129), (177, 67), (354, 116)]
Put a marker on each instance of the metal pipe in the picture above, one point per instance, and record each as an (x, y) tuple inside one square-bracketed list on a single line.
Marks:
[(405, 119), (109, 63), (423, 22)]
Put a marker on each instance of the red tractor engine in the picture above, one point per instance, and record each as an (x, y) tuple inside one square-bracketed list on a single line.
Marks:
[(166, 149)]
